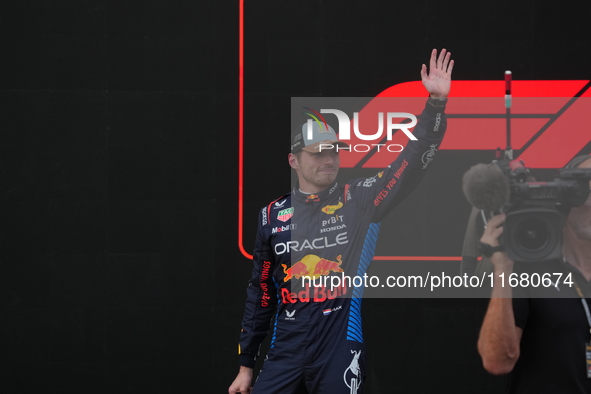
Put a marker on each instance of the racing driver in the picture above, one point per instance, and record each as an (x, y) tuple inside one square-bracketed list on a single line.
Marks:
[(326, 228)]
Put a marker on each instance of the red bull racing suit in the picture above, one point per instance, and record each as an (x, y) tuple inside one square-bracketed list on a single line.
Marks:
[(317, 340)]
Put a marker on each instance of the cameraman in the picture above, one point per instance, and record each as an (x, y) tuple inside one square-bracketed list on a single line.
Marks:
[(543, 342)]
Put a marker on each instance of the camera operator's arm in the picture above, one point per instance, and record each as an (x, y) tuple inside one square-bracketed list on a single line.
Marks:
[(499, 339)]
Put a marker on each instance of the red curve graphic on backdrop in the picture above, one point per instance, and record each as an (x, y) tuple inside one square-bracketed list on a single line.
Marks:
[(536, 129)]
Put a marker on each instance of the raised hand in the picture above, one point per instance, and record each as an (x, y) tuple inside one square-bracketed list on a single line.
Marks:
[(438, 80)]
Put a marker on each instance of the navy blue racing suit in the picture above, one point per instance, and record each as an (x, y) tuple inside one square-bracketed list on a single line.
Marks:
[(317, 343)]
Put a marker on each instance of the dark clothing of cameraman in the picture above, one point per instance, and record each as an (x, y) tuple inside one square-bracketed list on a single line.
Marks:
[(555, 333), (541, 334)]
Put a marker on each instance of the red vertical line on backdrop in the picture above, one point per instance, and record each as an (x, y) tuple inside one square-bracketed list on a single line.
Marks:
[(241, 126)]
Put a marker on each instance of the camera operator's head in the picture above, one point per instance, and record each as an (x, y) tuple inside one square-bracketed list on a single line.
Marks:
[(578, 222)]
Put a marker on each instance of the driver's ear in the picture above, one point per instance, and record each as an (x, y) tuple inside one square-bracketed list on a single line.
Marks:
[(293, 161)]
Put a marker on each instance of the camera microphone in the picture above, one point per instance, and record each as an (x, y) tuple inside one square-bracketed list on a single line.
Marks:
[(486, 187)]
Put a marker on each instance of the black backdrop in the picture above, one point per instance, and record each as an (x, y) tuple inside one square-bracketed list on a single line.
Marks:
[(119, 265)]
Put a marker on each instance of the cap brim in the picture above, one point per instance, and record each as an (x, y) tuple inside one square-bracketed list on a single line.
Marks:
[(316, 147)]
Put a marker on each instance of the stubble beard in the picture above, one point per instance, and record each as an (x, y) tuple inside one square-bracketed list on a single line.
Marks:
[(321, 180)]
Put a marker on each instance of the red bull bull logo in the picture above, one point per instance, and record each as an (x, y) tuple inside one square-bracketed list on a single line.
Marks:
[(324, 267), (312, 266), (297, 270)]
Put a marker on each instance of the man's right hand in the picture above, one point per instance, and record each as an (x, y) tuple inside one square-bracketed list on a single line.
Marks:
[(493, 230), (243, 382), (492, 233)]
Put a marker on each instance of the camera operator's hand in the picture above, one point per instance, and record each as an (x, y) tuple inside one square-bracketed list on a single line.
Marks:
[(492, 233), (493, 230)]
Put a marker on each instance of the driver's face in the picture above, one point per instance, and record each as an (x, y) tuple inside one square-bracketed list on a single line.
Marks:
[(316, 171)]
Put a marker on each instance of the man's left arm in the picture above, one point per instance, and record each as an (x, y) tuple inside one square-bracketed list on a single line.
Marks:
[(391, 186)]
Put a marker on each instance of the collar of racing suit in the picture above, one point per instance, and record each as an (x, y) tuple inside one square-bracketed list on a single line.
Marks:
[(314, 197)]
